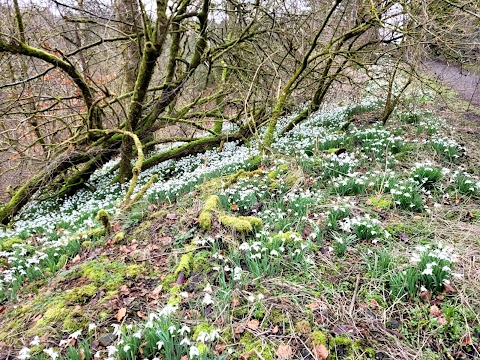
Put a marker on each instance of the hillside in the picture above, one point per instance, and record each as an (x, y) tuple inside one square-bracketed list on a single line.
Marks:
[(350, 241)]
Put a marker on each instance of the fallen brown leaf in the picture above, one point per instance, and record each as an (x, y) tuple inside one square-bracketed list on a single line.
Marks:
[(441, 320), (435, 311), (253, 324), (157, 290), (284, 352), (449, 289), (121, 314), (219, 348), (466, 340), (239, 330), (314, 306), (275, 329), (320, 352), (141, 315), (374, 304)]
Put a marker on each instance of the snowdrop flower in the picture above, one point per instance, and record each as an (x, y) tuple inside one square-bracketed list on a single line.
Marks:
[(91, 327), (251, 298), (260, 296), (208, 288), (237, 273), (171, 329), (167, 310), (126, 348), (24, 353), (75, 335), (52, 353), (63, 343), (35, 341), (160, 345), (116, 330), (427, 271), (214, 335), (138, 334), (207, 300), (185, 342), (194, 352), (184, 294), (184, 329), (202, 337)]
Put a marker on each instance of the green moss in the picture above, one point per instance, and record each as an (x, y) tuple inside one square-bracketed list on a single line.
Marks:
[(174, 298), (14, 326), (254, 221), (201, 262), (6, 245), (303, 327), (212, 185), (104, 315), (287, 237), (81, 294), (342, 341), (168, 280), (204, 327), (277, 317), (87, 244), (109, 275), (242, 174), (211, 204), (119, 236), (104, 217), (100, 231), (380, 202), (274, 185), (241, 223), (185, 263), (290, 180), (318, 338), (132, 271), (254, 348), (205, 220), (75, 321)]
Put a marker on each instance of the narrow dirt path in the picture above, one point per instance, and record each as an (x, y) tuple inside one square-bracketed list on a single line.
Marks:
[(466, 83)]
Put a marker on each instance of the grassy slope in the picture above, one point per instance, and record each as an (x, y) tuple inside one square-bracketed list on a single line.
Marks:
[(306, 282)]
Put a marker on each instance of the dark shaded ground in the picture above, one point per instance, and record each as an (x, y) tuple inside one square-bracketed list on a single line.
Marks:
[(466, 83)]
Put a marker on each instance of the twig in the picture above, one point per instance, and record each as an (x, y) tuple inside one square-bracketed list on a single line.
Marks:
[(352, 304)]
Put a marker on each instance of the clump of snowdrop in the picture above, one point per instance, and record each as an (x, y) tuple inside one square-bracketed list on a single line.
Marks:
[(465, 183), (448, 148), (427, 174), (430, 269), (366, 228), (406, 195)]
